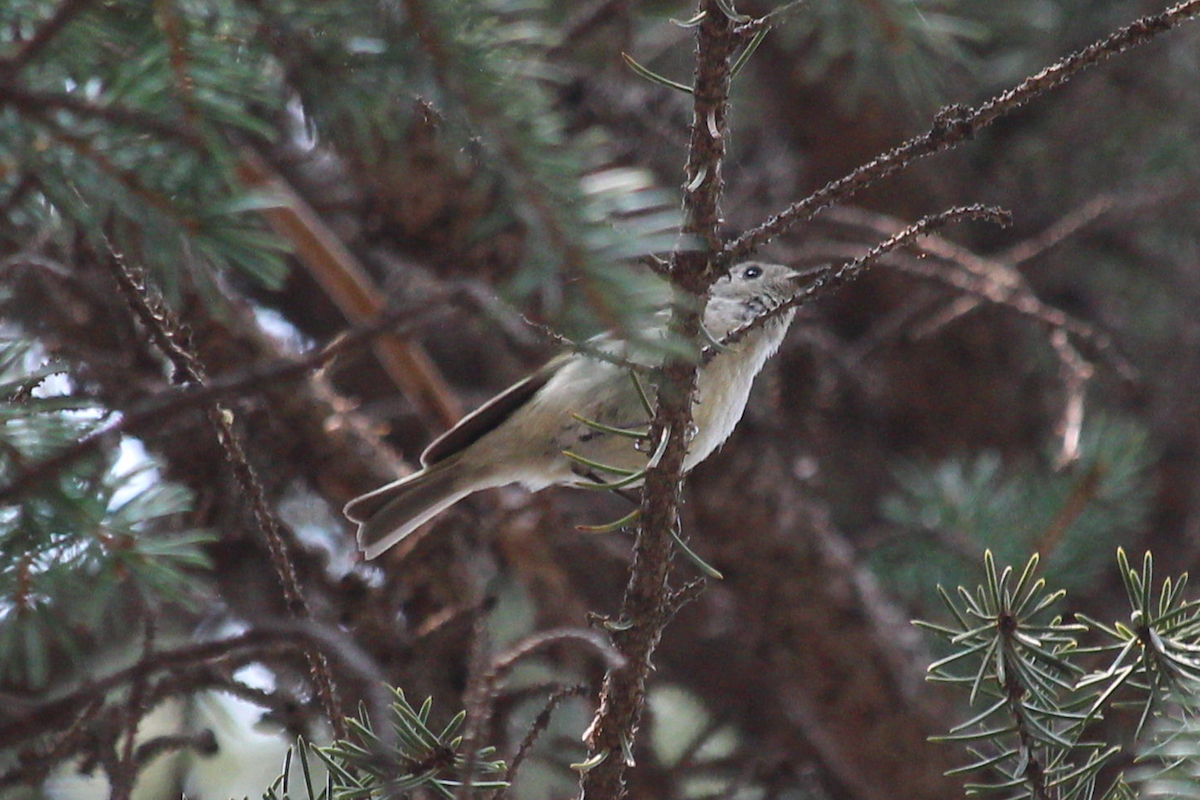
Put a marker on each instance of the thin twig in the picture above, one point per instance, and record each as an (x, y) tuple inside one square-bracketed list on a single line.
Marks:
[(831, 278), (506, 661), (685, 595), (956, 124), (585, 349), (991, 279), (256, 378), (536, 728), (982, 279), (752, 27), (482, 695), (60, 711), (36, 761), (987, 280), (204, 743), (172, 340), (1065, 226), (477, 699), (1076, 373), (135, 708)]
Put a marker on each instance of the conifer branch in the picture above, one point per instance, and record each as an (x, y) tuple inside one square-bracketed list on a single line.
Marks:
[(58, 713), (51, 27), (353, 291), (829, 278), (646, 607), (36, 102), (255, 378), (171, 339), (957, 124)]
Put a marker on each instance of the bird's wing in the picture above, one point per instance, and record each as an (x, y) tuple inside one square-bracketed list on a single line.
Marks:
[(488, 416)]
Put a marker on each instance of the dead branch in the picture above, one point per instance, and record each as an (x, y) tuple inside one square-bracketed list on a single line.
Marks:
[(172, 340), (957, 124), (829, 278), (347, 283), (536, 728), (256, 378)]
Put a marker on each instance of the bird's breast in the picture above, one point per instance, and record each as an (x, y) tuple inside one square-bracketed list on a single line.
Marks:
[(723, 388)]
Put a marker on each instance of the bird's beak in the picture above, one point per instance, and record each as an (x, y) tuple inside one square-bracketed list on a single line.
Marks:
[(802, 277)]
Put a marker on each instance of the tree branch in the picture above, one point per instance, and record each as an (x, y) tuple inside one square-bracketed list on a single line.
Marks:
[(646, 607), (59, 712), (172, 340), (45, 33), (830, 278), (352, 290), (956, 124), (35, 102), (254, 379)]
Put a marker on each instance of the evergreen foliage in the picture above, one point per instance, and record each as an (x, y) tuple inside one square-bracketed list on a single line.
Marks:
[(364, 767), (130, 124), (475, 138), (1071, 516), (95, 545), (1038, 735)]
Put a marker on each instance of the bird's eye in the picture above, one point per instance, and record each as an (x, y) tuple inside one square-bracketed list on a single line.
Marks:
[(750, 273)]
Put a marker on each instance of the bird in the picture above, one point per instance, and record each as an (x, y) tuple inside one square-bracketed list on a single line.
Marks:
[(528, 433)]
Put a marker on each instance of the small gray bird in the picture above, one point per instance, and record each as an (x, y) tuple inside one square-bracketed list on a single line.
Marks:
[(520, 434)]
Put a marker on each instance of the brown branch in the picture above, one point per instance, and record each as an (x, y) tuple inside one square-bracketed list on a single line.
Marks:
[(646, 607), (482, 695), (61, 711), (956, 124), (982, 280), (256, 378), (172, 340), (352, 290), (183, 672), (997, 280), (503, 664), (994, 279), (536, 728), (1023, 301), (36, 761), (125, 771), (830, 278), (979, 278), (171, 22), (1064, 227), (583, 348)]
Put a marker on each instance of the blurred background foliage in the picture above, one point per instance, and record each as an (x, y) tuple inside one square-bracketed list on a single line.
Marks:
[(249, 156)]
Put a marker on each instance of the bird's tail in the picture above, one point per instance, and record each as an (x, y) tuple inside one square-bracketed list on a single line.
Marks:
[(388, 514)]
